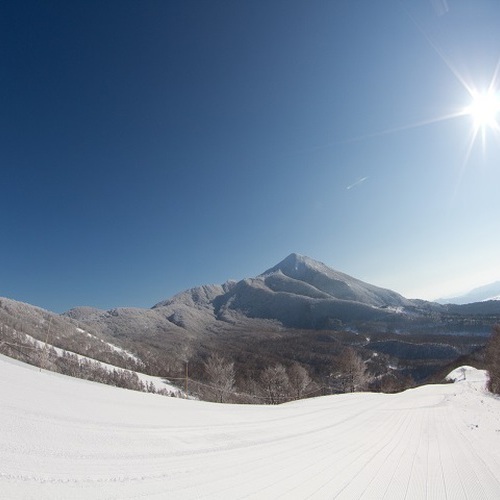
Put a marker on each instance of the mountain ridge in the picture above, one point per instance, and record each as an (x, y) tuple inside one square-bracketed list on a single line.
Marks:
[(490, 291), (298, 292), (298, 309), (335, 283)]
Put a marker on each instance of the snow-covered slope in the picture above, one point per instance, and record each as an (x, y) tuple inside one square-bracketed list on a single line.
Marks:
[(193, 309), (20, 322), (483, 293), (65, 438), (466, 372), (301, 270), (299, 292)]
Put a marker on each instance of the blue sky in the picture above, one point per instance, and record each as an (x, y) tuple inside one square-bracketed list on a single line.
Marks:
[(148, 147)]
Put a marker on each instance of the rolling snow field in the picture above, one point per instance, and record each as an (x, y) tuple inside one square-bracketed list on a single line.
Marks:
[(63, 438)]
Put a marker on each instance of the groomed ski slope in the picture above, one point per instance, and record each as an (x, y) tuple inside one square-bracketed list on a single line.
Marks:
[(63, 438)]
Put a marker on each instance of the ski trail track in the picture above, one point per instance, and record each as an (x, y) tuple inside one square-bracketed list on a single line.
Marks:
[(64, 438)]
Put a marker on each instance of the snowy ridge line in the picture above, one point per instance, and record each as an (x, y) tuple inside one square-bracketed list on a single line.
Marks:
[(158, 382), (113, 347), (107, 346)]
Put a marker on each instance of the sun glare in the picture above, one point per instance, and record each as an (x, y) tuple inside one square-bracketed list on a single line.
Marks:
[(484, 110)]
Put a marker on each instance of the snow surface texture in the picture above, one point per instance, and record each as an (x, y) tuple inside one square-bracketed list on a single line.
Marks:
[(65, 438)]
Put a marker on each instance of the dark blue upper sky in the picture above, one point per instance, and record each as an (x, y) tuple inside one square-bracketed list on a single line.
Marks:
[(150, 146)]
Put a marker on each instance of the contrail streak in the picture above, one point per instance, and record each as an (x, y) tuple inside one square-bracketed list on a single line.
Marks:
[(363, 179)]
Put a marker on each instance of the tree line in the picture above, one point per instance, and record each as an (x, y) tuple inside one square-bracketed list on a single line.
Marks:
[(19, 346), (278, 383)]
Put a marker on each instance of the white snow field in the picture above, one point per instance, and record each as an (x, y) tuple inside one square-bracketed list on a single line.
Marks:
[(63, 438)]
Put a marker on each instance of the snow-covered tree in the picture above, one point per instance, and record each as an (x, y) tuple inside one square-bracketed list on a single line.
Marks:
[(275, 384), (299, 380), (221, 375), (350, 371)]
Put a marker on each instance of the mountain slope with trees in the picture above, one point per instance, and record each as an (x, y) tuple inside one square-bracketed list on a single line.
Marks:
[(297, 315)]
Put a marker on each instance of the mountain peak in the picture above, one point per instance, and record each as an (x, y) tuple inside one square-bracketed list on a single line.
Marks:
[(296, 264), (298, 259), (335, 284)]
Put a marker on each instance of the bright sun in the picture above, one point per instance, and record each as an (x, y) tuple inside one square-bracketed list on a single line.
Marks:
[(484, 110)]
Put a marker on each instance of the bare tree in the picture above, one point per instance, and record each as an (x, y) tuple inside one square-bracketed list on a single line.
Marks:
[(275, 384), (493, 360), (392, 382), (350, 371), (299, 380), (221, 375)]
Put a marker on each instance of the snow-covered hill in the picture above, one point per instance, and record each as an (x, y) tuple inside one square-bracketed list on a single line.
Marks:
[(56, 343), (65, 438), (483, 293)]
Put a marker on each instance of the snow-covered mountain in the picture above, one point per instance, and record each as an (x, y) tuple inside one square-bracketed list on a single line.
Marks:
[(320, 281), (299, 297), (483, 293), (299, 292)]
